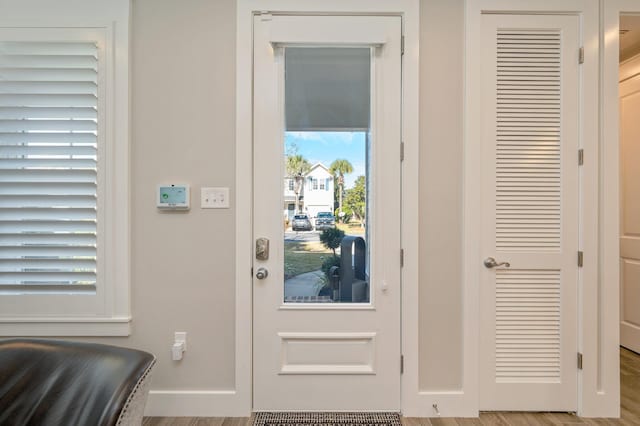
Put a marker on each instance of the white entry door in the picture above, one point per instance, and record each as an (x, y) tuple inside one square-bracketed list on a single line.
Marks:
[(326, 218), (630, 218), (529, 242)]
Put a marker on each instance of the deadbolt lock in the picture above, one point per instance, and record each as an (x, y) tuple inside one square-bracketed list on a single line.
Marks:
[(262, 249)]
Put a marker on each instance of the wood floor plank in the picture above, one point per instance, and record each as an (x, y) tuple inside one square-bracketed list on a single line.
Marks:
[(629, 410), (416, 421)]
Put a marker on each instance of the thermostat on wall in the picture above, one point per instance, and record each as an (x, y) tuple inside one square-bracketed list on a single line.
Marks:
[(173, 197)]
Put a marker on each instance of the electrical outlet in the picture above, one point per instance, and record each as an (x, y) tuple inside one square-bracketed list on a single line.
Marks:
[(180, 337)]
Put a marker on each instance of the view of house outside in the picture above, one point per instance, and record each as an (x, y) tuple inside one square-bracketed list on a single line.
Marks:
[(324, 202)]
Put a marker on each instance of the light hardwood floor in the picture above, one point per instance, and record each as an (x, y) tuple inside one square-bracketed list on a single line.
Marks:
[(630, 410)]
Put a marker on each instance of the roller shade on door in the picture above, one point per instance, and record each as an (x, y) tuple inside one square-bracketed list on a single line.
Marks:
[(48, 169), (328, 89)]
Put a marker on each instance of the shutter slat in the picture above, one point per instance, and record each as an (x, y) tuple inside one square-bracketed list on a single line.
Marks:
[(47, 138), (17, 151), (48, 74), (47, 163), (48, 88), (42, 239), (43, 201), (47, 176), (47, 48), (48, 61), (17, 226), (12, 252), (50, 214), (19, 113), (60, 265), (27, 100), (47, 188), (47, 277), (48, 125)]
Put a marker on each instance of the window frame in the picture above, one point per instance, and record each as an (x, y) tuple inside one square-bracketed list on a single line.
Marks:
[(107, 311)]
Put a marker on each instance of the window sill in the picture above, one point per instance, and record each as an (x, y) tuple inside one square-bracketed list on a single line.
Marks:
[(65, 327)]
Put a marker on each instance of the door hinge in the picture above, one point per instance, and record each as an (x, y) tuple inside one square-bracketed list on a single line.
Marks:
[(401, 151), (580, 258), (401, 364), (401, 257), (252, 271), (402, 45), (579, 361), (580, 157), (581, 55)]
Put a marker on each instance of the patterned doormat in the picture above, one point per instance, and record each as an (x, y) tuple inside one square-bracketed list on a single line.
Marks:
[(326, 419)]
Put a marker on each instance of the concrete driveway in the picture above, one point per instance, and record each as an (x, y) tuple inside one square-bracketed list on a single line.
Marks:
[(302, 236)]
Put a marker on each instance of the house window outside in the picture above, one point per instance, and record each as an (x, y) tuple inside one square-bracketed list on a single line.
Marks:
[(291, 183), (314, 183), (322, 184)]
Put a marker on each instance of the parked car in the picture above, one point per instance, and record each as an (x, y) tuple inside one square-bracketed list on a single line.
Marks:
[(301, 222), (325, 220)]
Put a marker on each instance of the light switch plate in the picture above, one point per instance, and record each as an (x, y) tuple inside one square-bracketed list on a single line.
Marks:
[(214, 198)]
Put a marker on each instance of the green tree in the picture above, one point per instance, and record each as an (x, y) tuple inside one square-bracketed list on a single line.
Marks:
[(338, 169), (297, 167), (331, 239), (355, 200)]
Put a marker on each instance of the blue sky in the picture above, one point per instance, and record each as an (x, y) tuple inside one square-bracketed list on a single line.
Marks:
[(324, 147)]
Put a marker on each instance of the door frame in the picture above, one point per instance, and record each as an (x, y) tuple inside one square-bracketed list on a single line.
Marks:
[(241, 403), (610, 198), (598, 386)]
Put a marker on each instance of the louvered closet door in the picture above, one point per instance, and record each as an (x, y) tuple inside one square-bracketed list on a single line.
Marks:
[(528, 331)]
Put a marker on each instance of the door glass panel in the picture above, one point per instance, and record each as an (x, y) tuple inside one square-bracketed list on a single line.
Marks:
[(327, 142)]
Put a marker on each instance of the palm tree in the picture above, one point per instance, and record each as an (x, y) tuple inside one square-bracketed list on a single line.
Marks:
[(338, 169), (297, 167)]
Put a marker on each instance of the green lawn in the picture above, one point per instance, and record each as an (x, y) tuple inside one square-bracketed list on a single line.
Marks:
[(301, 257), (352, 228)]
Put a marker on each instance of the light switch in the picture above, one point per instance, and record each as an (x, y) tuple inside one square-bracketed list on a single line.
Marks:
[(214, 198)]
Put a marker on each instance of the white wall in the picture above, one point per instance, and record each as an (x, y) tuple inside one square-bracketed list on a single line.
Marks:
[(441, 161), (183, 78)]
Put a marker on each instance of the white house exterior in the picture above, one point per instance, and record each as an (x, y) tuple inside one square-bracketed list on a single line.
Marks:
[(316, 194), (318, 190)]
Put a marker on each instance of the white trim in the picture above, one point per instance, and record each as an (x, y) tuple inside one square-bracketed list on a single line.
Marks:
[(596, 397), (409, 9), (606, 400), (205, 403), (46, 327)]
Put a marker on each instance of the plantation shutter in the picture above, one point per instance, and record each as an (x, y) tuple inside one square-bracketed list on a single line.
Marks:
[(48, 165)]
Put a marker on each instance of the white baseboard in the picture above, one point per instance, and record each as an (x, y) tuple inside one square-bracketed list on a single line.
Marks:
[(219, 403), (448, 403), (630, 336)]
